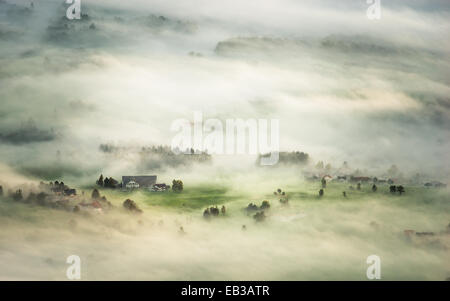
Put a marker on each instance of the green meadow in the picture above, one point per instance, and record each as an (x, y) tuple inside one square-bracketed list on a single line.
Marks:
[(310, 238), (201, 196)]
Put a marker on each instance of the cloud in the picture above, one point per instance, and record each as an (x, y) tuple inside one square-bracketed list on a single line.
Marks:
[(320, 67), (27, 133)]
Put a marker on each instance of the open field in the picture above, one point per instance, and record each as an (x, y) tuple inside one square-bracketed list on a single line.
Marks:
[(312, 237), (217, 105)]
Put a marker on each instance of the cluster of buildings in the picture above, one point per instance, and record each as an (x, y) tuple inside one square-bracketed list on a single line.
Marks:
[(58, 188), (349, 178), (143, 182)]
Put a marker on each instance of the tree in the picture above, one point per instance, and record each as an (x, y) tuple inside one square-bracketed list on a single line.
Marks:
[(393, 170), (328, 166), (251, 207), (392, 188), (259, 216), (100, 181), (31, 198), (265, 205), (40, 198), (112, 183), (400, 189), (95, 194), (106, 182), (206, 213), (321, 192), (374, 188), (131, 205), (319, 165), (177, 185), (214, 211), (17, 196)]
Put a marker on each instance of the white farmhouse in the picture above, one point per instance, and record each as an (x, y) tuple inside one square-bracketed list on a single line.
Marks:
[(132, 185)]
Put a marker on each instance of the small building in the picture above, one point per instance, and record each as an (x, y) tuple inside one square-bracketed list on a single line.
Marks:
[(436, 184), (342, 178), (132, 185), (145, 182), (160, 187), (360, 179), (327, 178)]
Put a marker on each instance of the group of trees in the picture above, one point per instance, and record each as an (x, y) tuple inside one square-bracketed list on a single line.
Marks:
[(400, 189), (259, 216), (160, 157), (131, 206), (214, 211), (54, 186), (290, 158), (320, 165), (279, 192), (107, 182), (98, 200), (17, 196), (324, 183), (177, 185), (284, 199), (393, 189), (39, 198), (254, 207), (95, 194), (265, 205)]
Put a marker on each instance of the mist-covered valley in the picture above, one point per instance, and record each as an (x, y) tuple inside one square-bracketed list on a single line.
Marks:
[(360, 103)]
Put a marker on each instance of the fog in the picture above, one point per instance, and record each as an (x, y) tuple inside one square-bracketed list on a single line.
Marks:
[(344, 88), (310, 239)]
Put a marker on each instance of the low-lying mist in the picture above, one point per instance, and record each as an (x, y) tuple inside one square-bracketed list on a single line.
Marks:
[(97, 96), (310, 238)]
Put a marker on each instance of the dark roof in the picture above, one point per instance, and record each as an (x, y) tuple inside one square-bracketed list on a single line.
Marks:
[(143, 181)]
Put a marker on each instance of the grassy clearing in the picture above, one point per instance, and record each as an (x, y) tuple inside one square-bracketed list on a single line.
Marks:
[(312, 238), (190, 198), (198, 197)]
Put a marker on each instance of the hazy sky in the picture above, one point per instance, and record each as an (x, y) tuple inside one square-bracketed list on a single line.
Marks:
[(344, 88)]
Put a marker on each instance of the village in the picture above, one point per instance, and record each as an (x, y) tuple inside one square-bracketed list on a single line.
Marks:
[(59, 195), (107, 198)]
